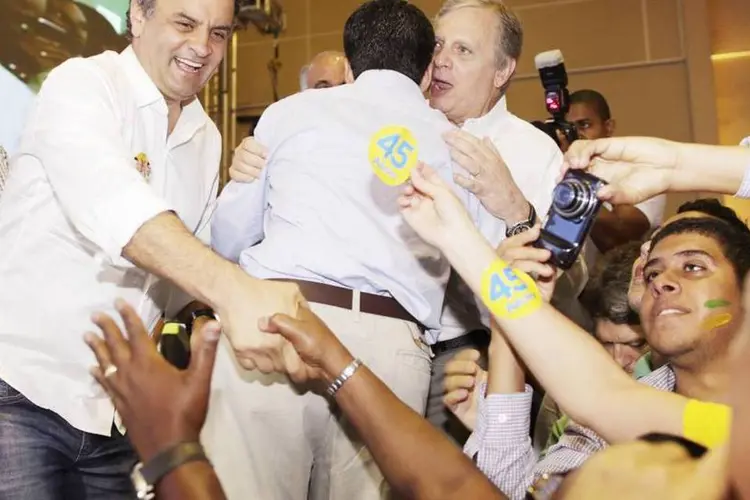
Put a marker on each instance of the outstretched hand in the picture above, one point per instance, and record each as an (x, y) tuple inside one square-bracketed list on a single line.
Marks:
[(160, 405), (636, 168), (431, 208), (323, 355)]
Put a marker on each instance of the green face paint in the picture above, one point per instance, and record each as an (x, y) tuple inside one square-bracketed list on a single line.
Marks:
[(715, 303)]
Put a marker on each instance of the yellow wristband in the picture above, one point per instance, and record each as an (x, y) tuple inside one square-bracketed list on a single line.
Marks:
[(706, 423), (509, 293)]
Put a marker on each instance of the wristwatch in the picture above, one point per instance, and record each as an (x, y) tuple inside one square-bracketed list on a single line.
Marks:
[(524, 225), (145, 477), (198, 313)]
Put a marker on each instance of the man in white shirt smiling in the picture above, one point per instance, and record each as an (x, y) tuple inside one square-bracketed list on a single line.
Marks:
[(115, 174)]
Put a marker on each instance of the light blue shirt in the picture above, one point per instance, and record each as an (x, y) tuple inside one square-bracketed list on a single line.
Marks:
[(319, 213)]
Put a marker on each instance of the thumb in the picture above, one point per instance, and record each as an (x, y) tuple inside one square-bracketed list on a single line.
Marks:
[(286, 326), (427, 181), (203, 353)]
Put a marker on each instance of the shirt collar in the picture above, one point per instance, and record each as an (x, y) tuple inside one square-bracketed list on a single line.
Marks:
[(498, 112), (146, 92), (389, 82), (192, 118)]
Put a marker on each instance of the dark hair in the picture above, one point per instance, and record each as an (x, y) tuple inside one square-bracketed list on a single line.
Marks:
[(389, 34), (606, 295), (148, 6), (714, 208), (594, 99), (734, 242)]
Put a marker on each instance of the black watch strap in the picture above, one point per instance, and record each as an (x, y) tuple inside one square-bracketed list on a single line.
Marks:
[(171, 458)]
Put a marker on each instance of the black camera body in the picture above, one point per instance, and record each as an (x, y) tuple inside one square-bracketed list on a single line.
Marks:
[(574, 209)]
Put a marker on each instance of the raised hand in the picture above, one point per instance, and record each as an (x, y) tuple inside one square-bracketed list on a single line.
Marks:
[(431, 208), (160, 405), (463, 375), (518, 252), (636, 168)]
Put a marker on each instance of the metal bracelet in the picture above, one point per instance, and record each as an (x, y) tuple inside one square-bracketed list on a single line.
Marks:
[(345, 375)]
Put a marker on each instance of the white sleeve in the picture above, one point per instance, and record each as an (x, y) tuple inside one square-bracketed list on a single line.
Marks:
[(78, 143), (653, 209)]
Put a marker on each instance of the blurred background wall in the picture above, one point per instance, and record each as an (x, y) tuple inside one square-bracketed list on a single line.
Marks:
[(678, 69)]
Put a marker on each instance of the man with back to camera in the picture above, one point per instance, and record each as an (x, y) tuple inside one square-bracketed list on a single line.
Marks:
[(590, 113), (116, 173), (320, 216), (478, 46)]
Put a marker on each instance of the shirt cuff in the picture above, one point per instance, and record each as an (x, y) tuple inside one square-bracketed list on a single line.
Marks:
[(506, 417), (744, 191), (122, 215)]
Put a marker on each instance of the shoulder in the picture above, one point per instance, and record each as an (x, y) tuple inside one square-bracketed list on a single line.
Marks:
[(526, 136), (84, 76)]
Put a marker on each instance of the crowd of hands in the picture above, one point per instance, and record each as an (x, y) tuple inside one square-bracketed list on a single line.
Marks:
[(161, 405)]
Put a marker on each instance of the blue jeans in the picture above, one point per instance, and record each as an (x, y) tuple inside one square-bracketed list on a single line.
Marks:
[(42, 457)]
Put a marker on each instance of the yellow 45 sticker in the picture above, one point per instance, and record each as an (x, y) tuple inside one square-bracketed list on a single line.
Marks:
[(393, 153), (509, 293)]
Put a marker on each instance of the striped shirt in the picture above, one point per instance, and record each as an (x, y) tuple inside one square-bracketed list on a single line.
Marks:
[(501, 445)]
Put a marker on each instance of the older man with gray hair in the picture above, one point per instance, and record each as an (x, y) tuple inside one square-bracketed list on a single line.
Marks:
[(513, 165), (327, 69)]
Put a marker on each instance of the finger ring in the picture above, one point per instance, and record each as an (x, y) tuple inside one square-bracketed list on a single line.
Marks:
[(109, 371)]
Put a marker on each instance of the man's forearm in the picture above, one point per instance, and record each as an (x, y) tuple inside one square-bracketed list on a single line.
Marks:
[(716, 169), (164, 246), (555, 350), (415, 458), (192, 481)]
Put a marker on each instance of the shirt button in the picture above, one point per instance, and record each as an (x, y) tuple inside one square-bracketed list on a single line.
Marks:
[(502, 418)]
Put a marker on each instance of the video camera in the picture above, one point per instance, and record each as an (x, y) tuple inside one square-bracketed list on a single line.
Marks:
[(554, 78)]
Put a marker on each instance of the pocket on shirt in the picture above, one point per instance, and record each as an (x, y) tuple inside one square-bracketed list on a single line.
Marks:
[(8, 394)]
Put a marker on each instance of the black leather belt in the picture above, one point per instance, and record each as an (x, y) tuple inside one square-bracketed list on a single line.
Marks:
[(475, 338)]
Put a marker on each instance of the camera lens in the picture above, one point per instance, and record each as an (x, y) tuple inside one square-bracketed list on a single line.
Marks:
[(572, 198)]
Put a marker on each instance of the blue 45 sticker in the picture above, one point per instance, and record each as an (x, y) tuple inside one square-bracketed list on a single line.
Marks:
[(508, 292), (392, 153)]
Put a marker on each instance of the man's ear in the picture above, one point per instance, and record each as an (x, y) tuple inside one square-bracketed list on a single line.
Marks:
[(426, 80), (609, 125), (504, 74), (137, 19), (348, 73)]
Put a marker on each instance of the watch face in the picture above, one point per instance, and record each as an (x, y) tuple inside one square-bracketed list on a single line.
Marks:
[(518, 229)]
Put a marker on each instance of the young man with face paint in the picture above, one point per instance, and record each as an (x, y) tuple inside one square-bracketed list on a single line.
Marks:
[(621, 399)]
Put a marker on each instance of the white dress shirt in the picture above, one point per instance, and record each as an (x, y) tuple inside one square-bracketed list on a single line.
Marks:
[(75, 199), (534, 161), (319, 213), (4, 169)]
